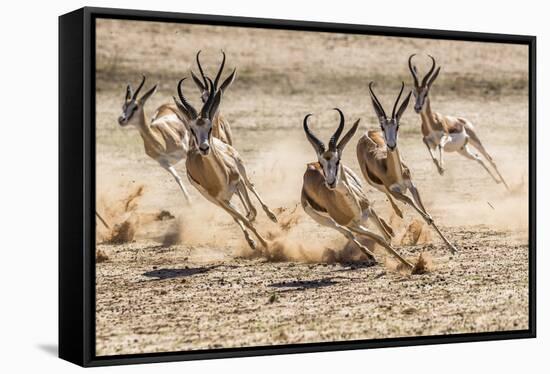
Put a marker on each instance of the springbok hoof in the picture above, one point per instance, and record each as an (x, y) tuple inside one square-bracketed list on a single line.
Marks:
[(271, 216)]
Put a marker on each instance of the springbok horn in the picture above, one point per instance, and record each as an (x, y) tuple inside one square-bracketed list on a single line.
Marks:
[(200, 69), (220, 70), (139, 87), (430, 72), (397, 101), (205, 112), (413, 70), (186, 105), (334, 139), (377, 106), (315, 142), (128, 93)]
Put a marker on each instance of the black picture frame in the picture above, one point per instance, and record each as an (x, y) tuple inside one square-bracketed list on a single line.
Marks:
[(77, 181)]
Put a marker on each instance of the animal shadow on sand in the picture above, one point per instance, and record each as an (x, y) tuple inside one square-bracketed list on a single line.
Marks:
[(162, 274), (304, 285)]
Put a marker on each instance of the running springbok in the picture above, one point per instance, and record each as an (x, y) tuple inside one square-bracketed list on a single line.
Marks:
[(165, 137), (220, 128), (381, 163), (333, 196), (441, 132), (215, 168)]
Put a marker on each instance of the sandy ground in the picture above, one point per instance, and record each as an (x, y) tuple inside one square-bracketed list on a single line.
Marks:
[(185, 279)]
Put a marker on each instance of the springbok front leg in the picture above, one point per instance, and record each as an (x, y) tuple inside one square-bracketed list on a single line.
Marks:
[(432, 155), (229, 208), (251, 212), (363, 231), (396, 209), (250, 186), (176, 176), (329, 222), (384, 228), (247, 236)]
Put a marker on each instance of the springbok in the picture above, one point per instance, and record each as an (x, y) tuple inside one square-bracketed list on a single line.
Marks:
[(165, 136), (215, 168), (220, 127), (381, 163), (448, 133), (333, 196)]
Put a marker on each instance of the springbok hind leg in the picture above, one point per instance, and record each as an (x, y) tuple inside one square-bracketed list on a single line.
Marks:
[(467, 152), (250, 186), (477, 145)]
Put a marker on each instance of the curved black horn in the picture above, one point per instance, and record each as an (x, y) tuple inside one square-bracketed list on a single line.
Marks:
[(128, 93), (186, 105), (412, 68), (397, 101), (334, 139), (139, 87), (205, 112), (200, 68), (315, 142), (378, 107), (427, 76), (220, 70)]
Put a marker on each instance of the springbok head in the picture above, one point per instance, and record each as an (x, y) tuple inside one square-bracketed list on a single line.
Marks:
[(390, 125), (200, 123), (421, 90), (202, 82), (132, 104), (330, 157)]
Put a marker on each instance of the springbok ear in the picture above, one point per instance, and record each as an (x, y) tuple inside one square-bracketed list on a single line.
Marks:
[(434, 76), (198, 81), (229, 80), (403, 106), (148, 94), (342, 144)]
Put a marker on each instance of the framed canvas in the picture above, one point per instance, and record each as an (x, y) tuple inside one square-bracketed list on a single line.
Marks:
[(236, 186)]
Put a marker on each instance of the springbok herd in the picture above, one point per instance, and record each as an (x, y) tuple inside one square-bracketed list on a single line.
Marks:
[(332, 193)]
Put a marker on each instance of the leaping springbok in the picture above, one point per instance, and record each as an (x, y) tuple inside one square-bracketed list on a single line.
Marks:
[(441, 132), (215, 168), (220, 127), (165, 137), (333, 196), (381, 163)]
